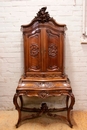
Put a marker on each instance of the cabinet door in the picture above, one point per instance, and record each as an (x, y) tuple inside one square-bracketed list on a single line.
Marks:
[(43, 50), (32, 51), (54, 51)]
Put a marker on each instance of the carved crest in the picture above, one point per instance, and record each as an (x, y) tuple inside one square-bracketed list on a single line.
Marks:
[(42, 15)]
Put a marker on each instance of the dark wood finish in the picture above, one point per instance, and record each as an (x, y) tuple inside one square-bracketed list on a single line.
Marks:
[(44, 74)]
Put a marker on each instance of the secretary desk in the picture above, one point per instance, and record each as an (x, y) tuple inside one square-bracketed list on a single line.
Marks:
[(44, 74)]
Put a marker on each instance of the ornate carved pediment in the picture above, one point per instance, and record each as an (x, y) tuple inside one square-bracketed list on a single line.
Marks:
[(42, 15)]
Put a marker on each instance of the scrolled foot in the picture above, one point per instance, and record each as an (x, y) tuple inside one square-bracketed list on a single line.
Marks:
[(17, 125), (70, 125)]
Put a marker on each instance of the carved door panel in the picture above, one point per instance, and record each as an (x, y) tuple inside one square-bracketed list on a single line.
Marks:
[(54, 53), (33, 51)]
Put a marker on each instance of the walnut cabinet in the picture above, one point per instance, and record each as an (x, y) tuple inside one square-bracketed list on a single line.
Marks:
[(44, 74)]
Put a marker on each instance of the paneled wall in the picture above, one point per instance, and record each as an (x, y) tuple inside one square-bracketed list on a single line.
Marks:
[(14, 13)]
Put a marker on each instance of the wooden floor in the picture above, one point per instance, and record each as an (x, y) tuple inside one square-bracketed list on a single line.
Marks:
[(8, 120)]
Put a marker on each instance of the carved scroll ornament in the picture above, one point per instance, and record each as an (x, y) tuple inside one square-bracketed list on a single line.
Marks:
[(42, 15)]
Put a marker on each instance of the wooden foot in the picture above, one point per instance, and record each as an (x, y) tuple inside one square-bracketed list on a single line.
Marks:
[(17, 125)]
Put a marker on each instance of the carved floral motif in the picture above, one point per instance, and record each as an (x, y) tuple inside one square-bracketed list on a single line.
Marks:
[(52, 50), (34, 49), (43, 94)]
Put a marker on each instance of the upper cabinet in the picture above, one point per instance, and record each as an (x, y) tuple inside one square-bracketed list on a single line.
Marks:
[(43, 44)]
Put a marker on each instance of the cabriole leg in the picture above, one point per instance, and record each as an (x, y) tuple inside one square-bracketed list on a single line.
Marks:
[(17, 108), (70, 107)]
